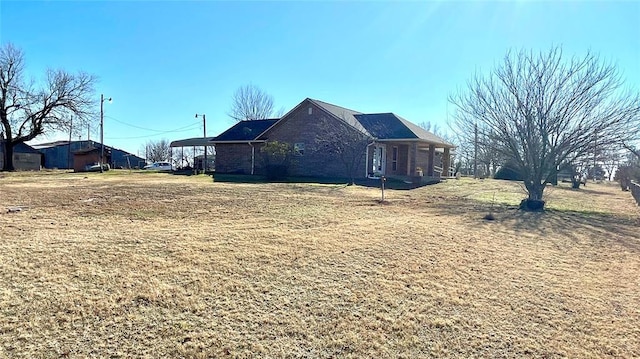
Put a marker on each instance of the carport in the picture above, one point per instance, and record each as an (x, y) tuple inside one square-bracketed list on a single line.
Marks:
[(194, 142)]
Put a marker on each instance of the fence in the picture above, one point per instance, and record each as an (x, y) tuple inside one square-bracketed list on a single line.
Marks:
[(439, 171), (635, 191)]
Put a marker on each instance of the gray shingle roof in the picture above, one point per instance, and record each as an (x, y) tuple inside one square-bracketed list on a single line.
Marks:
[(383, 126), (423, 134), (342, 113), (193, 141), (244, 131)]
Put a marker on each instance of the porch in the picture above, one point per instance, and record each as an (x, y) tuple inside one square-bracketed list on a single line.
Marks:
[(414, 161)]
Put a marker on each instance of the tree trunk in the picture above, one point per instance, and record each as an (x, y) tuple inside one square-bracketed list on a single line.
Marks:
[(575, 182), (576, 178), (534, 202), (8, 156)]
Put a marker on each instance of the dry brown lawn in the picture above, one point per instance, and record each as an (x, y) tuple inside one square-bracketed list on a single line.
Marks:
[(129, 265)]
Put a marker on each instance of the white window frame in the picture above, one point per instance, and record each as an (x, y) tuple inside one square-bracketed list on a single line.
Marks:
[(394, 158)]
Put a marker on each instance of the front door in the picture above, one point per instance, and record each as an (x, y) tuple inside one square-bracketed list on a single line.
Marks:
[(379, 159)]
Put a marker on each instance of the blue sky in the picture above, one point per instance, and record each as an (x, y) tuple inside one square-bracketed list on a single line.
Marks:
[(165, 61)]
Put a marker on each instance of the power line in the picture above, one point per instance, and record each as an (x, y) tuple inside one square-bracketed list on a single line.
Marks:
[(147, 136), (190, 126)]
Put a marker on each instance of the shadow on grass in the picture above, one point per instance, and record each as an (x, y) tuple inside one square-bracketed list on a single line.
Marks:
[(584, 190), (573, 225), (189, 173), (375, 183)]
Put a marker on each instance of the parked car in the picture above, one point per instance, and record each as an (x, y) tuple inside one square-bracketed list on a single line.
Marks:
[(159, 166), (95, 167)]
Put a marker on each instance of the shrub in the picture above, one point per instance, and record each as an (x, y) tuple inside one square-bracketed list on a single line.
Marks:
[(276, 157), (508, 172)]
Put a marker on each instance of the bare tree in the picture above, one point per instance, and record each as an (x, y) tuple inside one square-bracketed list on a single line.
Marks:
[(280, 112), (628, 170), (251, 103), (158, 150), (438, 131), (468, 154), (634, 151), (183, 157), (542, 111), (428, 126), (28, 111), (344, 144), (610, 158)]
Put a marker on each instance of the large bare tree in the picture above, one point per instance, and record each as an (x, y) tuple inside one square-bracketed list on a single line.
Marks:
[(29, 109), (542, 111), (158, 150), (251, 103)]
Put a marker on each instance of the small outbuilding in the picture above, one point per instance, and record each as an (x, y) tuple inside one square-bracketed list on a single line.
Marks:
[(84, 158), (25, 157), (59, 154)]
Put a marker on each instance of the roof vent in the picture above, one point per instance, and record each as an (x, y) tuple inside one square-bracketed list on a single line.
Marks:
[(310, 110)]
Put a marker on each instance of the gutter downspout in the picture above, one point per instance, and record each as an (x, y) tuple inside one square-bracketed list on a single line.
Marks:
[(253, 157)]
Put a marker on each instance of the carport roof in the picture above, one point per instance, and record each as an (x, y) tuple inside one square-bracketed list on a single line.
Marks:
[(195, 141)]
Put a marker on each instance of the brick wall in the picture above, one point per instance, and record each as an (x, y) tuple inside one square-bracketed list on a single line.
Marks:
[(403, 159), (235, 157), (302, 127)]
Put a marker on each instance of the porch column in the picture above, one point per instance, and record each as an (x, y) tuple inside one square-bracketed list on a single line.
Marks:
[(413, 155), (432, 159), (366, 161), (446, 161)]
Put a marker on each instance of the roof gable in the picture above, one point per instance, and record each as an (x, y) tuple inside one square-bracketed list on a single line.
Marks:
[(244, 131)]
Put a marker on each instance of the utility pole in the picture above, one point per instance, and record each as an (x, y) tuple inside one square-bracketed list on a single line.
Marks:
[(204, 126), (102, 130), (69, 163), (475, 152)]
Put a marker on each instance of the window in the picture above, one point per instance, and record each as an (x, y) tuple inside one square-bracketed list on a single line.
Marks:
[(298, 149), (394, 159), (310, 110)]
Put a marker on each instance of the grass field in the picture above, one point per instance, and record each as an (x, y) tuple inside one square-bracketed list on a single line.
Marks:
[(127, 265)]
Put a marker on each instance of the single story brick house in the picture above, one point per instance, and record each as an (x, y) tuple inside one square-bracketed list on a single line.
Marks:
[(392, 147)]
